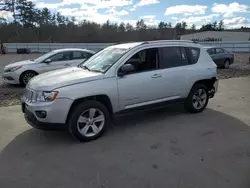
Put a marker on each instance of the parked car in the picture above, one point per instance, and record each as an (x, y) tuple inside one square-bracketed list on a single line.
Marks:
[(119, 79), (21, 72), (221, 57)]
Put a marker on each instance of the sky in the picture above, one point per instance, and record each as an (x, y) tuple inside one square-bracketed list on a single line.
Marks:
[(234, 13)]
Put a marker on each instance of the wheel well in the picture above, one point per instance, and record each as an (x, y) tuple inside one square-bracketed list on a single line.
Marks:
[(207, 82), (26, 72), (104, 99), (227, 59)]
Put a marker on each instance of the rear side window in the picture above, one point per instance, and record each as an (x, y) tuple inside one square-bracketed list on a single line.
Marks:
[(193, 54), (219, 51), (211, 51), (81, 55), (170, 57)]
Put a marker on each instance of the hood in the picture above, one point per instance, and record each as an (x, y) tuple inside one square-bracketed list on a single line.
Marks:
[(20, 63), (62, 77)]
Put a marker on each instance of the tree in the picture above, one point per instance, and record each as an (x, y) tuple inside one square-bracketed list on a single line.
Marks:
[(178, 25), (214, 25), (207, 27), (193, 27), (10, 5), (169, 24), (121, 27), (161, 25), (53, 19), (183, 25), (221, 25), (60, 19), (140, 25), (46, 16), (27, 14), (129, 27)]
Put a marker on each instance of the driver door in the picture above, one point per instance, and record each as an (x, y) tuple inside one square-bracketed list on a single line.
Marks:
[(57, 61), (141, 87)]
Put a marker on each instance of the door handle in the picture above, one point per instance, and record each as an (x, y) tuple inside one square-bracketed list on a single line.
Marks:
[(66, 65), (156, 76)]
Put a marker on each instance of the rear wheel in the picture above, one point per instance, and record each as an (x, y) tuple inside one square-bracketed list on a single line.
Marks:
[(226, 64), (197, 99), (26, 76), (88, 120)]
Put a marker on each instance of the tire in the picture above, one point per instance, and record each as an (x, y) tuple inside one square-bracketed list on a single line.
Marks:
[(26, 76), (226, 64), (82, 112), (190, 104)]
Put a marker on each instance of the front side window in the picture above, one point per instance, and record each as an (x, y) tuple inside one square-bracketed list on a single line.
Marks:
[(44, 56), (145, 60), (103, 60), (63, 56)]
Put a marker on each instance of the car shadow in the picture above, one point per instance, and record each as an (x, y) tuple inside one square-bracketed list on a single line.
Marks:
[(158, 148)]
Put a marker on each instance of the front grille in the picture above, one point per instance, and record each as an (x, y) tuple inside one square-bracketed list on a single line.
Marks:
[(28, 94)]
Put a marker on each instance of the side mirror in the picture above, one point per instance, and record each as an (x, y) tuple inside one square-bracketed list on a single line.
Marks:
[(126, 69), (47, 61)]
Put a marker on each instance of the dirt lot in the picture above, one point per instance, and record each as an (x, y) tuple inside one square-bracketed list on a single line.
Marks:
[(9, 95), (154, 149)]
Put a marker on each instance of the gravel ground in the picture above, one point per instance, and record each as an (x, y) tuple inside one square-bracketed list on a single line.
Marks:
[(10, 95)]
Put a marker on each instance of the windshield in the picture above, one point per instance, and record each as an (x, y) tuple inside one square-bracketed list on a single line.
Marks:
[(45, 56), (103, 60)]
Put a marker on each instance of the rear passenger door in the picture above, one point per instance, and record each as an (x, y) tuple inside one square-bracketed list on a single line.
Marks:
[(177, 64), (220, 56)]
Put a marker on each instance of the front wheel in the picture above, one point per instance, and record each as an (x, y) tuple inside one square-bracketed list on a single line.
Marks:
[(88, 120), (26, 76), (197, 99)]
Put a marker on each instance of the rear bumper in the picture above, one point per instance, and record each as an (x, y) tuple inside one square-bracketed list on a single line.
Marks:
[(214, 88)]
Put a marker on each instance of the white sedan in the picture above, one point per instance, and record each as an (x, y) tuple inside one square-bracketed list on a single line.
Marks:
[(21, 72)]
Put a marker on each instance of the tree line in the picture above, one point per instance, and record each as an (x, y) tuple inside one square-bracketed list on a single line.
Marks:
[(41, 25)]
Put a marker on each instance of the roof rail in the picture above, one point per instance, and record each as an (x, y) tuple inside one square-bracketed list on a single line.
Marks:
[(158, 41)]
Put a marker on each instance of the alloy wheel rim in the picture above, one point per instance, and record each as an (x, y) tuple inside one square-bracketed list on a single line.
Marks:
[(91, 122), (27, 77), (199, 99)]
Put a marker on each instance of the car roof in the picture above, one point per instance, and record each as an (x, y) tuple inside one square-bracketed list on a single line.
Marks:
[(209, 47), (73, 49), (127, 45), (134, 44)]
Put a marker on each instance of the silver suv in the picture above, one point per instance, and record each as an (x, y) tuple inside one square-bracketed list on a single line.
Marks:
[(118, 79)]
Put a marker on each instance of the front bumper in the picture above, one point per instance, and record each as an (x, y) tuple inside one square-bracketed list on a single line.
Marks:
[(11, 77), (33, 121), (56, 113)]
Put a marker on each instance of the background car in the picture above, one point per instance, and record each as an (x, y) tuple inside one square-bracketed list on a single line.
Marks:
[(221, 57), (21, 72)]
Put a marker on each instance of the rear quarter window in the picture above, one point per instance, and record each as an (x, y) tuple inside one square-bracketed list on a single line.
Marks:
[(193, 54)]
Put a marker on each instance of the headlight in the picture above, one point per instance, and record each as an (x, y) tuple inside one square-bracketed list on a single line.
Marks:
[(12, 69), (46, 96)]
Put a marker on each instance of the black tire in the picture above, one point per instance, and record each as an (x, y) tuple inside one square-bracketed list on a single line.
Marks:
[(189, 105), (226, 64), (77, 111), (22, 81)]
